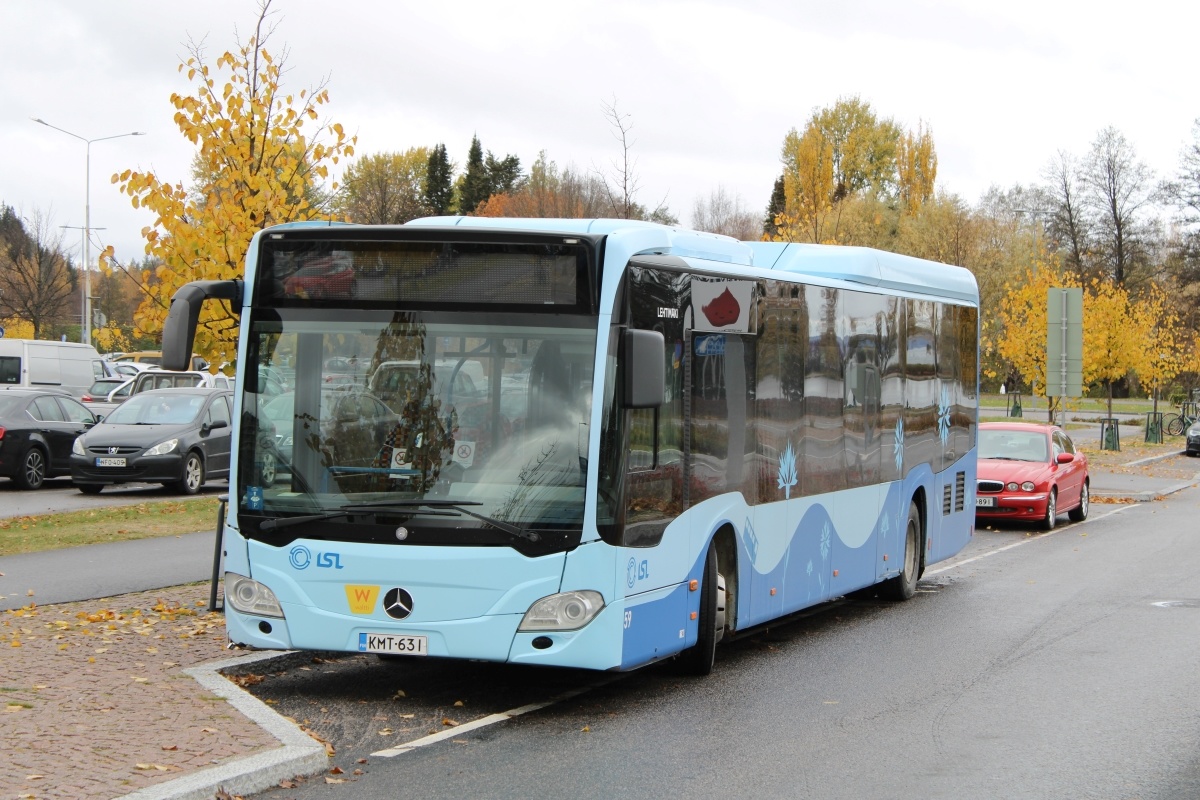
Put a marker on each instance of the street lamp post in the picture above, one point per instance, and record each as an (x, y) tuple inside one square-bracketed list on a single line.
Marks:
[(86, 321)]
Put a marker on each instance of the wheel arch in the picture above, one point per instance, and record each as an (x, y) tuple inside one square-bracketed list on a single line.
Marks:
[(726, 541), (918, 499)]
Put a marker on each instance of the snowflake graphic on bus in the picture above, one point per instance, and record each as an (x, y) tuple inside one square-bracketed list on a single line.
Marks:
[(787, 470), (943, 416)]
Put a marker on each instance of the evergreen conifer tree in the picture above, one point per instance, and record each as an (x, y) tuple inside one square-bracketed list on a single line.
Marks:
[(775, 207), (475, 188), (439, 189)]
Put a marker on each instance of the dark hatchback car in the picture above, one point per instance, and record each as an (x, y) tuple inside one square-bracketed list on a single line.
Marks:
[(1192, 443), (176, 437), (37, 429)]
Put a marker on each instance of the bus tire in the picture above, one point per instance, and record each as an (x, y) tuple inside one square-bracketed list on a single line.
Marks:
[(904, 585), (698, 659)]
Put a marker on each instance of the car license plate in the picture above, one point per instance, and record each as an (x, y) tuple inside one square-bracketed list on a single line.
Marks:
[(390, 643), (110, 462), (985, 502)]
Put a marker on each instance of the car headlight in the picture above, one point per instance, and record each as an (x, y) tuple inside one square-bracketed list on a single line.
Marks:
[(77, 447), (1012, 487), (1028, 486), (250, 597), (162, 448), (567, 611)]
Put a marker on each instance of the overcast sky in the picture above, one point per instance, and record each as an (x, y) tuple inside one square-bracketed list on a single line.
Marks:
[(711, 88)]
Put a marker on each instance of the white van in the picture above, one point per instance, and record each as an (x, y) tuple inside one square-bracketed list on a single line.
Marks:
[(69, 366)]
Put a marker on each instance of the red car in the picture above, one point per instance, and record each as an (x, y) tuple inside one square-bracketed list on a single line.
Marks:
[(1030, 472), (324, 277)]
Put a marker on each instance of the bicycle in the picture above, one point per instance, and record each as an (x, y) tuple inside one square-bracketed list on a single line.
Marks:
[(1176, 424)]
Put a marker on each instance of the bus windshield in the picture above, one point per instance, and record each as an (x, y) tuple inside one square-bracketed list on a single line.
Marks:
[(425, 420)]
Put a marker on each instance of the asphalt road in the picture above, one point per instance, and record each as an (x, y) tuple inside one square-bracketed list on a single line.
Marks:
[(59, 495), (1033, 665), (102, 570)]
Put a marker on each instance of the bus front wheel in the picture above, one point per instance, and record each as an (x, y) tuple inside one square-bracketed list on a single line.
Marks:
[(698, 659)]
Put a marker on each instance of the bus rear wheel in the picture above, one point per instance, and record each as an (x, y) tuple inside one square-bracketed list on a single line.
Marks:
[(698, 659), (904, 585)]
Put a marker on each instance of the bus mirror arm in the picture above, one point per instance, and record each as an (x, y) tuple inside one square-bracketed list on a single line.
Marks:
[(179, 330), (643, 368)]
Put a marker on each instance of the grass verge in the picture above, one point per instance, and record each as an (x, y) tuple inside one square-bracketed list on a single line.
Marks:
[(33, 534)]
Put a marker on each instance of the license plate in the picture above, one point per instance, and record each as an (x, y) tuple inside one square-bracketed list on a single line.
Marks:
[(390, 643), (110, 462), (985, 502)]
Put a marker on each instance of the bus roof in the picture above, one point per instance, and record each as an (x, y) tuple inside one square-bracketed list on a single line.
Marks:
[(861, 265)]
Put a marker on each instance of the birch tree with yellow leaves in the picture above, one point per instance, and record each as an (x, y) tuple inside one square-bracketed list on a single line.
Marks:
[(1022, 340), (1112, 340), (1162, 340), (262, 157)]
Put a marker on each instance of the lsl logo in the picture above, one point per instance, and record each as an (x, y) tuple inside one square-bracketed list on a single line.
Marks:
[(300, 557)]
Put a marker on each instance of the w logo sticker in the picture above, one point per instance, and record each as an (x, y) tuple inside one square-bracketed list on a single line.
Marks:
[(361, 598)]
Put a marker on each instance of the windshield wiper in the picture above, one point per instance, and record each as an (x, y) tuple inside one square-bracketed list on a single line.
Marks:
[(457, 505), (433, 508)]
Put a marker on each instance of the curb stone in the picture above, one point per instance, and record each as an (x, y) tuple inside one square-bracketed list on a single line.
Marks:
[(300, 754)]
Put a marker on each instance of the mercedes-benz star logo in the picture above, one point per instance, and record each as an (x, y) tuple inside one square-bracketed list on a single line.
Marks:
[(397, 603)]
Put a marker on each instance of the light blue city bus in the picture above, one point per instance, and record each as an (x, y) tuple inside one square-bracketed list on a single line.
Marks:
[(582, 443)]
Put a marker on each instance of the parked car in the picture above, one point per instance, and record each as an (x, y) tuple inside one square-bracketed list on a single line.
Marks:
[(1030, 472), (154, 358), (37, 429), (102, 405), (167, 379), (128, 369), (321, 278), (352, 426), (1192, 445), (176, 437)]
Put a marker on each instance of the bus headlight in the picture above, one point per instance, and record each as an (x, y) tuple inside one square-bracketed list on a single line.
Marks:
[(567, 611), (251, 597)]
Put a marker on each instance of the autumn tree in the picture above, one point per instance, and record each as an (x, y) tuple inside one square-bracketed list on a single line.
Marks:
[(119, 292), (724, 213), (37, 283), (916, 168), (620, 180), (1022, 339), (549, 192), (847, 156), (385, 188), (1162, 340), (1069, 223), (263, 163), (1184, 193), (439, 182), (1120, 190), (1111, 337)]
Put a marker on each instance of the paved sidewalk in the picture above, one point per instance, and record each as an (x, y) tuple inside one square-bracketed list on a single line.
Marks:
[(96, 702), (119, 696)]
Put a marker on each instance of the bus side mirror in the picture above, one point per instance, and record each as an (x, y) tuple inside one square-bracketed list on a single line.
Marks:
[(179, 329), (643, 369)]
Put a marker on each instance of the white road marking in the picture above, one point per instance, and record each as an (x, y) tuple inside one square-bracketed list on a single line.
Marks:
[(504, 716), (965, 561), (484, 722)]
